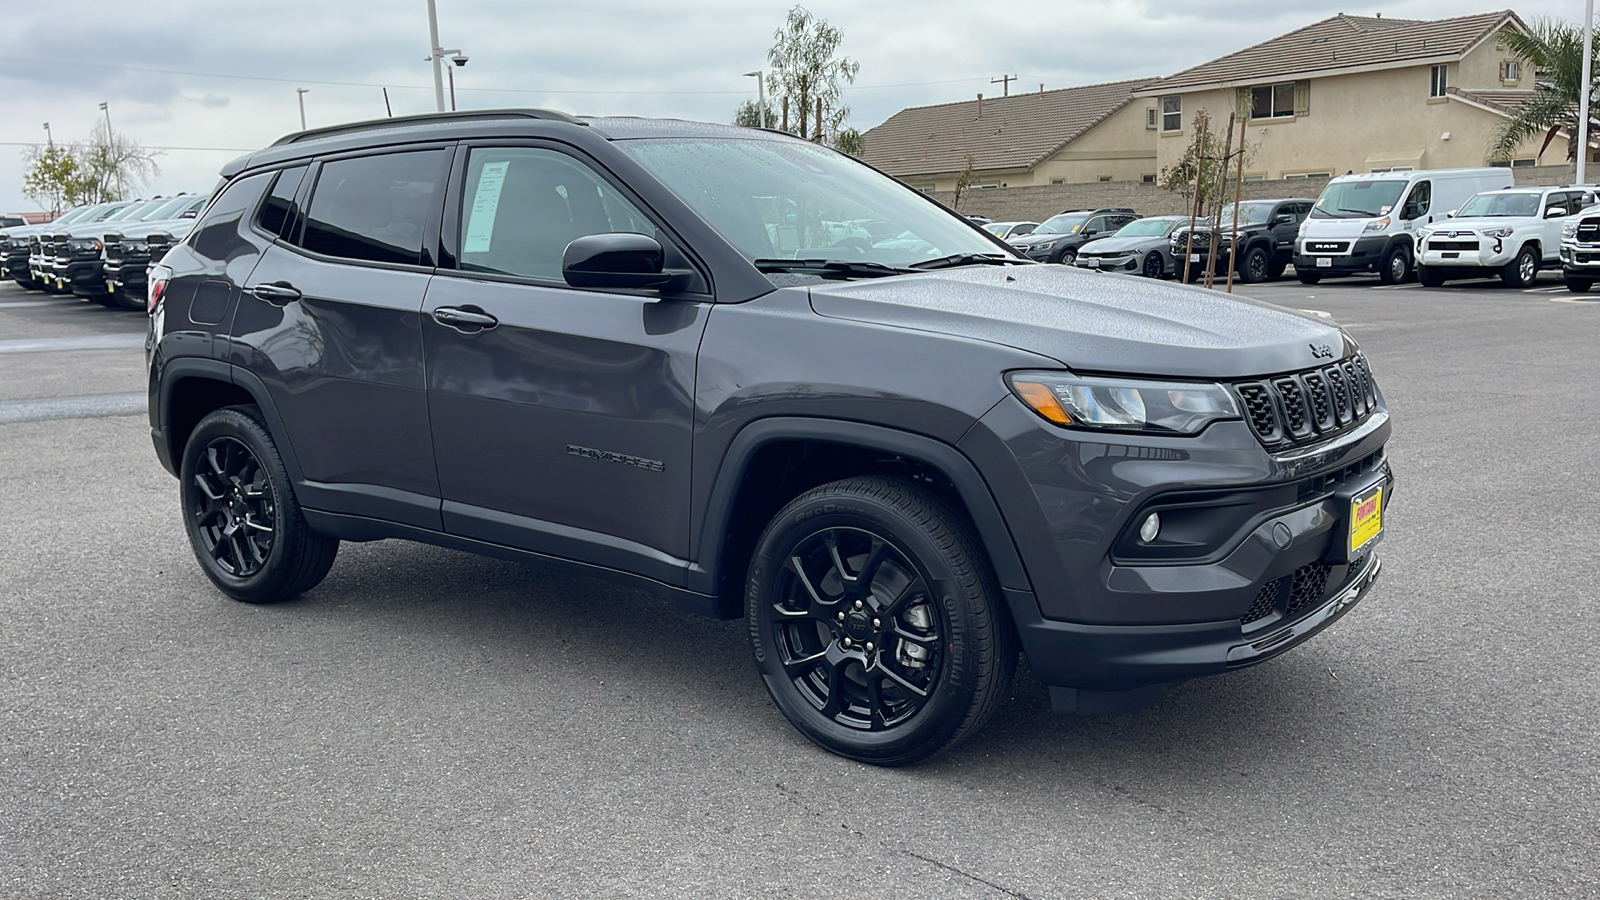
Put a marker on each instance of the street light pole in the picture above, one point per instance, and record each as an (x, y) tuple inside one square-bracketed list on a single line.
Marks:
[(437, 55), (106, 108), (300, 94), (48, 137), (1587, 88), (761, 97)]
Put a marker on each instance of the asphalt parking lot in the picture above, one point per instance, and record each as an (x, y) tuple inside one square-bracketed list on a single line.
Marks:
[(432, 724)]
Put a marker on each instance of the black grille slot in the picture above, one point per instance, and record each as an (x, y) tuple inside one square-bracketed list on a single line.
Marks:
[(1295, 417), (1471, 246), (1266, 601), (1589, 231), (1310, 583), (1327, 246), (1258, 406), (1302, 407)]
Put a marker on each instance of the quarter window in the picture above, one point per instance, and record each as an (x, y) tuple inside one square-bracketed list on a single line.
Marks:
[(279, 209), (1272, 100), (521, 207), (217, 235), (1438, 81), (373, 208), (1172, 113)]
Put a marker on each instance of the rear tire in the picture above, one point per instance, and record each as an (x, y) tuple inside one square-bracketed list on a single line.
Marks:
[(1522, 271), (1576, 284), (1429, 277), (876, 623), (243, 521), (1396, 266)]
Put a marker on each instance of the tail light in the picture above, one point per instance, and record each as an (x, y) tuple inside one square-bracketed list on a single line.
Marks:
[(157, 287)]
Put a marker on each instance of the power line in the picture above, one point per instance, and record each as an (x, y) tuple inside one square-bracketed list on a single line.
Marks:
[(197, 149), (419, 87)]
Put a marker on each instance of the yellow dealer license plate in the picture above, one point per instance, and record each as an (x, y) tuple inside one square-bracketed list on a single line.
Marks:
[(1366, 519)]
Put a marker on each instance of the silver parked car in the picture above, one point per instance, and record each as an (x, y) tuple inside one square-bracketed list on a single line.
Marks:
[(1005, 231), (1139, 247)]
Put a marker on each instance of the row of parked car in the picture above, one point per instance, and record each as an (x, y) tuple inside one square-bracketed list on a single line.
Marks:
[(99, 251), (1433, 226)]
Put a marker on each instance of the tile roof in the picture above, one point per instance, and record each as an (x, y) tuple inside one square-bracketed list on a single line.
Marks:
[(1500, 101), (1016, 132), (1343, 42)]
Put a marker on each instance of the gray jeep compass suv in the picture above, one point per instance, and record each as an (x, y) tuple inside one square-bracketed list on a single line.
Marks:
[(767, 381)]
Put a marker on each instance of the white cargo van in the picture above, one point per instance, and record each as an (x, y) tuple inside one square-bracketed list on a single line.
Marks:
[(1368, 223)]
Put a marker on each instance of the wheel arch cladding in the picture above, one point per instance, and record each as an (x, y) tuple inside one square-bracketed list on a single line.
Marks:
[(772, 461), (191, 388)]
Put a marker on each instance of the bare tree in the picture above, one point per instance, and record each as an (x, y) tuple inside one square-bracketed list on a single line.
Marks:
[(964, 180), (111, 163), (808, 74)]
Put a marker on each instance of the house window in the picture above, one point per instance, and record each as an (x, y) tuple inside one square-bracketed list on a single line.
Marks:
[(1172, 113), (1259, 177), (1270, 101), (1437, 81), (1382, 169), (1513, 163), (1288, 176), (1147, 178), (1058, 181), (1510, 71), (925, 188), (1104, 178), (1150, 118)]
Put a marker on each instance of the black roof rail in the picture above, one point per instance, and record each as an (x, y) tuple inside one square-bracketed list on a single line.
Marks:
[(464, 115)]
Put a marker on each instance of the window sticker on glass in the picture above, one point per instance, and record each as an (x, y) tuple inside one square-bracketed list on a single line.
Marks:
[(485, 203)]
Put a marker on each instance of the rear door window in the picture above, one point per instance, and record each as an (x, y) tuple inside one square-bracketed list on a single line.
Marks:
[(374, 208)]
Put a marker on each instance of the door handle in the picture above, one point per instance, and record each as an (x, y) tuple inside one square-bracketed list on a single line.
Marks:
[(277, 294), (465, 319)]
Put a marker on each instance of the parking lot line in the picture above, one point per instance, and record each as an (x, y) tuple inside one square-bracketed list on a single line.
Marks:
[(82, 407), (22, 304), (85, 342)]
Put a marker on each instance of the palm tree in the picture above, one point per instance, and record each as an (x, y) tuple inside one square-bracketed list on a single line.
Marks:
[(1554, 50)]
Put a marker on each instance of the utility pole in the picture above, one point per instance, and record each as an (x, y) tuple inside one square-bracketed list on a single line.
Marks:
[(761, 96), (106, 108), (437, 55), (48, 137), (1588, 87), (301, 94), (1005, 84), (1238, 184)]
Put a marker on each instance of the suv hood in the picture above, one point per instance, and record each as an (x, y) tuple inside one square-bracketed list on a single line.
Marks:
[(1121, 244), (1317, 229), (1092, 322), (1479, 224)]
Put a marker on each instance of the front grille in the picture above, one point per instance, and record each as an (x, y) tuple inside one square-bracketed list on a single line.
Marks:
[(1301, 407), (1452, 245), (1266, 601), (1327, 246), (1589, 230), (1310, 583)]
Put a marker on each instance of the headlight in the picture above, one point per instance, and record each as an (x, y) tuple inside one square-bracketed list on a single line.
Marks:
[(1569, 229), (1114, 404), (84, 244), (1504, 231), (1376, 225), (136, 247), (1424, 233)]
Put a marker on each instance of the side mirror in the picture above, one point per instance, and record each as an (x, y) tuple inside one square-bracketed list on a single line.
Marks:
[(1091, 232), (1554, 212), (1450, 215), (614, 260), (1283, 219)]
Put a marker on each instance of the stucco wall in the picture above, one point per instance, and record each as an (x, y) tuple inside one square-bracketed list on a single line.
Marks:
[(1121, 147), (1037, 202)]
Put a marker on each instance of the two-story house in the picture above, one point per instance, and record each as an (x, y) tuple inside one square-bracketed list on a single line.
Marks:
[(1358, 94)]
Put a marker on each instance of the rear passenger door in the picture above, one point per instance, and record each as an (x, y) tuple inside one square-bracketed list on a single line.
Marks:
[(331, 321), (562, 422)]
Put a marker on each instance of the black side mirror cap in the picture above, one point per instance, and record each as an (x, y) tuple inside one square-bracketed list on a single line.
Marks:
[(615, 260), (1284, 219)]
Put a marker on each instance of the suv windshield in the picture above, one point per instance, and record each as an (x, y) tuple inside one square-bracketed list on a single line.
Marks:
[(1357, 199), (1158, 226), (1066, 223), (1524, 204), (775, 199)]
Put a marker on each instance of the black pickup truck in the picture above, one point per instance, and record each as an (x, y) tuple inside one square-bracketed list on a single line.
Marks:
[(1265, 234)]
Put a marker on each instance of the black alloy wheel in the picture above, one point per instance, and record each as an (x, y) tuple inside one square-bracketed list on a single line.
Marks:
[(1522, 271), (1153, 267), (243, 521), (1253, 268), (876, 623), (1396, 266)]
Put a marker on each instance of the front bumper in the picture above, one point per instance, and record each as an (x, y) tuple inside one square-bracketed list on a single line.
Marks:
[(1580, 258), (1465, 253), (84, 276), (1342, 256), (1258, 563), (1128, 262)]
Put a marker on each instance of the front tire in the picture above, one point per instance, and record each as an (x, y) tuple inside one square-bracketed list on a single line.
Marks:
[(1429, 277), (1153, 267), (1576, 284), (876, 622), (1396, 266), (1068, 257), (1253, 267), (1307, 277), (243, 520), (1522, 271)]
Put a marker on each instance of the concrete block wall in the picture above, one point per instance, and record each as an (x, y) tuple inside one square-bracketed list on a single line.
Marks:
[(1035, 203)]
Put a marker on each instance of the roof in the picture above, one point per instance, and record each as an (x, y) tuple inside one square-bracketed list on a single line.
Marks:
[(1343, 42), (1503, 102), (1016, 132)]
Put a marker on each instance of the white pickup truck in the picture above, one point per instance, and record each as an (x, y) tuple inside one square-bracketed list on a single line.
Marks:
[(1512, 233)]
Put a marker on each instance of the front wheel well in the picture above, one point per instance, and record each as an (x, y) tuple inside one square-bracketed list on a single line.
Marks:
[(191, 400), (783, 470)]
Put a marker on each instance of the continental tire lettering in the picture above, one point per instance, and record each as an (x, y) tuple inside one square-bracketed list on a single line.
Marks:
[(638, 462)]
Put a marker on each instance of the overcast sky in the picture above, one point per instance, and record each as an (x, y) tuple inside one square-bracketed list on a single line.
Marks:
[(161, 67)]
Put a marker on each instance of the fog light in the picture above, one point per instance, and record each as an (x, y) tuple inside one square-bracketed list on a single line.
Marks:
[(1150, 528)]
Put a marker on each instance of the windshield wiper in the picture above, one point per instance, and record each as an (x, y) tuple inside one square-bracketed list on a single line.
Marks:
[(837, 268), (967, 259)]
